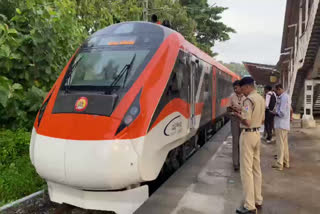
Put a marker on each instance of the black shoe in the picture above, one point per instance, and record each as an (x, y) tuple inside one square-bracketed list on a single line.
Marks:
[(259, 206), (243, 210), (236, 168)]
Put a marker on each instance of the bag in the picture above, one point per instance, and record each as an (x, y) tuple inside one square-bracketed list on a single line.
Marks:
[(272, 103)]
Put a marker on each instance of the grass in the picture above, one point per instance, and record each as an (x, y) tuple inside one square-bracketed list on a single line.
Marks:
[(18, 177)]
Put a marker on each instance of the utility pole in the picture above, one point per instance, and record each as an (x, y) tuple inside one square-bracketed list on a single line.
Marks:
[(145, 10)]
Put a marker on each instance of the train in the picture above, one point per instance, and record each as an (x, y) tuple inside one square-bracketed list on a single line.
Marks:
[(136, 99)]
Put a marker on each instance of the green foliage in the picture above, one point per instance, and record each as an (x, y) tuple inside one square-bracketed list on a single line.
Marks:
[(126, 10), (209, 26), (94, 14), (237, 68), (97, 14), (17, 175), (35, 45), (176, 15)]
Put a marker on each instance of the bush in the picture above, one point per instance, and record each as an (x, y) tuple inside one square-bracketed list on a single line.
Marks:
[(37, 38), (18, 177)]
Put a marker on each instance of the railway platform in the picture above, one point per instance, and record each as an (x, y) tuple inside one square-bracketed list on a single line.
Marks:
[(207, 183)]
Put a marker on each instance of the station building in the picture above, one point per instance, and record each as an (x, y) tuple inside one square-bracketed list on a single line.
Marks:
[(298, 68)]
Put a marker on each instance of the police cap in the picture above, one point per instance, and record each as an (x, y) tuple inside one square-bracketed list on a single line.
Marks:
[(236, 83), (246, 81)]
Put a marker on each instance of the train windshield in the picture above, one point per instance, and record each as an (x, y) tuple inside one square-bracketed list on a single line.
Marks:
[(107, 65), (106, 68), (113, 58)]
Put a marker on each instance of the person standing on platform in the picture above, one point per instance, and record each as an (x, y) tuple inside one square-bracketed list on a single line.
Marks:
[(282, 127), (271, 101), (251, 119), (235, 105)]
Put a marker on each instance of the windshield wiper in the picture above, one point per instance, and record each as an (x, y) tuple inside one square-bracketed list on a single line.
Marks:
[(125, 71), (68, 76)]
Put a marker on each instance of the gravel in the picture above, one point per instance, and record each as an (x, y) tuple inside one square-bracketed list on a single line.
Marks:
[(42, 205)]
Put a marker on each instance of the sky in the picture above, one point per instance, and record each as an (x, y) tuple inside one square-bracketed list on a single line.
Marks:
[(259, 26)]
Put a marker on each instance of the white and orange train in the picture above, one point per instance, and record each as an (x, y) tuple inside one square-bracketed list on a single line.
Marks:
[(127, 105)]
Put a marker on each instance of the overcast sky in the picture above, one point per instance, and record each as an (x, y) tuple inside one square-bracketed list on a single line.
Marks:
[(259, 26)]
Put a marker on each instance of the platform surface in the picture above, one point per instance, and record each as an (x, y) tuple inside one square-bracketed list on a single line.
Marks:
[(208, 184)]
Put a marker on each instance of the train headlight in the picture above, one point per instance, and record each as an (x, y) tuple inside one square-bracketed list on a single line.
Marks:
[(134, 110), (128, 119), (131, 114)]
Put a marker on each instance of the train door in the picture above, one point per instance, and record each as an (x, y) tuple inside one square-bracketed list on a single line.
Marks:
[(194, 66), (214, 92)]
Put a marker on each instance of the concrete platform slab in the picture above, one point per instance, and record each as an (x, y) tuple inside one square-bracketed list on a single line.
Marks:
[(209, 185), (169, 195)]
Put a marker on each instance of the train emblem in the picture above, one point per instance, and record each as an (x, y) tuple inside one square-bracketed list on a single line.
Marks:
[(81, 104), (173, 127)]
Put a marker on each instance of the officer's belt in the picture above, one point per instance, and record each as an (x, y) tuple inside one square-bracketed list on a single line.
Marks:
[(251, 129)]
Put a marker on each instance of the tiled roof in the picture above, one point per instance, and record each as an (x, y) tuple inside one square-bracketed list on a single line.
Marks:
[(261, 73)]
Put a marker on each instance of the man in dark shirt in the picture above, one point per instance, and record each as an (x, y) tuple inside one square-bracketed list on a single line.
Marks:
[(271, 101)]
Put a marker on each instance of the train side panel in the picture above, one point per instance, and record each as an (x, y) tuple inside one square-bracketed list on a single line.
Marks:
[(223, 91)]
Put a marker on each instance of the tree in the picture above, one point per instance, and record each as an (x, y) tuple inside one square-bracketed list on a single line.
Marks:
[(35, 44), (97, 14), (176, 15), (209, 27)]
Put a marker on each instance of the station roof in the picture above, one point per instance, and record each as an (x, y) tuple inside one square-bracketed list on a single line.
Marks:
[(290, 30), (263, 73)]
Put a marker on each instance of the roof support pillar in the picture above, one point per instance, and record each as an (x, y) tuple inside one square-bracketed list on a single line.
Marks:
[(306, 14), (300, 18), (307, 119)]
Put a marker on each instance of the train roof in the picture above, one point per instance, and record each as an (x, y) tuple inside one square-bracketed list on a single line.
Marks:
[(139, 27)]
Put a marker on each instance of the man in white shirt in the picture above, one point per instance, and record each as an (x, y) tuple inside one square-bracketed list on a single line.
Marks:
[(271, 100)]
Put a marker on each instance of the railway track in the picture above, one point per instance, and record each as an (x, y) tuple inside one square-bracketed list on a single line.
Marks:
[(69, 209), (64, 209)]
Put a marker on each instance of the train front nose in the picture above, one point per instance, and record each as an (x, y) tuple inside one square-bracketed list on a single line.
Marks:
[(89, 165)]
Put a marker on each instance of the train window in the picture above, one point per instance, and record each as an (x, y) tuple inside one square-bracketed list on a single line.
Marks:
[(106, 68), (198, 72), (124, 28), (179, 73), (177, 78), (206, 82), (180, 78)]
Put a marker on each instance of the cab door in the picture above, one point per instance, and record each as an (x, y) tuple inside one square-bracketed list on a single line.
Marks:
[(214, 92), (192, 92)]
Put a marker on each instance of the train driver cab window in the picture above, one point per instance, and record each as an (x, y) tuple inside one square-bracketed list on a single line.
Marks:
[(206, 82), (174, 85), (179, 80), (106, 68)]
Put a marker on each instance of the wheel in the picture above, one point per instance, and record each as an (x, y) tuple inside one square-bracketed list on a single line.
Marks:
[(183, 154)]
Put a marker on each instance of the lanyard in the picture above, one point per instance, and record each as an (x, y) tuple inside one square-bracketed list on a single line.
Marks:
[(239, 100)]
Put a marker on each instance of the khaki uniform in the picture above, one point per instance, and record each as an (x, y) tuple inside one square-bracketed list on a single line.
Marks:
[(282, 127), (236, 101), (253, 110), (282, 147)]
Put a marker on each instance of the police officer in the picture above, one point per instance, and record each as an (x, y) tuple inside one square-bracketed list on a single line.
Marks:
[(235, 105), (251, 119)]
